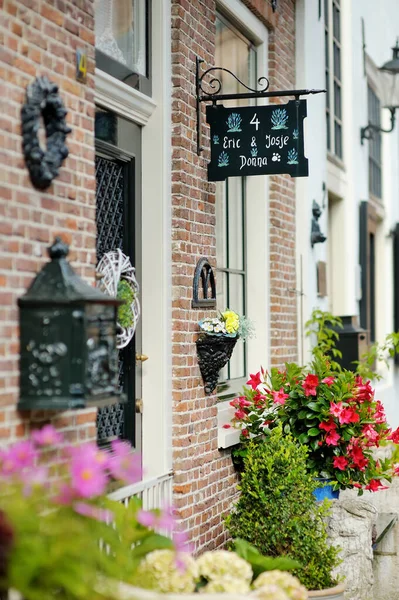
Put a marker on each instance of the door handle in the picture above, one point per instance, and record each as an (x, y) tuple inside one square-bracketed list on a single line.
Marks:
[(139, 406), (141, 357)]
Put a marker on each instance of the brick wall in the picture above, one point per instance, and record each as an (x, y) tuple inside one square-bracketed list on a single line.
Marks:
[(204, 484), (40, 38)]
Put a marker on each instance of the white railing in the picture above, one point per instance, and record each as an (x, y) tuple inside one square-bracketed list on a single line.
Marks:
[(154, 493)]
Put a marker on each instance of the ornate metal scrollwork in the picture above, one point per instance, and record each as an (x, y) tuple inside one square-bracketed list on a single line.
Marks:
[(215, 84), (43, 101), (213, 353)]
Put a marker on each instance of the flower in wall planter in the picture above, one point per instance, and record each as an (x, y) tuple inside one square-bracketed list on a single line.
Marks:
[(216, 342)]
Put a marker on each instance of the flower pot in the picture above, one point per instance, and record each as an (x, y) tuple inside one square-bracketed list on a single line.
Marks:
[(335, 593), (325, 490), (213, 353)]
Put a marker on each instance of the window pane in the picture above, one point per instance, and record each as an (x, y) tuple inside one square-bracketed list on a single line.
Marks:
[(336, 23), (121, 32), (328, 131), (235, 222), (337, 100), (337, 61), (338, 140), (221, 223), (326, 15), (236, 302)]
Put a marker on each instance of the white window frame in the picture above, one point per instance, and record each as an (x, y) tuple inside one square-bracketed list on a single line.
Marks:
[(257, 228), (333, 118)]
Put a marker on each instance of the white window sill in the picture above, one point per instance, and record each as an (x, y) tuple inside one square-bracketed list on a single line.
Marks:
[(226, 437)]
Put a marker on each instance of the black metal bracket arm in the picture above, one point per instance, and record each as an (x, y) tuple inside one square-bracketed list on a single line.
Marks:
[(366, 133), (211, 93)]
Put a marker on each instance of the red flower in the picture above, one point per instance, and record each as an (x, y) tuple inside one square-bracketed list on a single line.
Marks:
[(340, 462), (396, 469), (240, 415), (280, 397), (370, 433), (394, 436), (254, 380), (226, 426), (358, 458), (348, 415), (245, 432), (363, 391), (310, 384), (243, 402), (328, 380), (328, 425), (375, 485), (336, 408), (332, 438), (379, 415)]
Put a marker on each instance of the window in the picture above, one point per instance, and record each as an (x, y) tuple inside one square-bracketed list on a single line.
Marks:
[(332, 32), (122, 40), (236, 53), (375, 180)]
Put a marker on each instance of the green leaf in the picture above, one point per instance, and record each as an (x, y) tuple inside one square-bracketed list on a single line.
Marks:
[(312, 432), (303, 438)]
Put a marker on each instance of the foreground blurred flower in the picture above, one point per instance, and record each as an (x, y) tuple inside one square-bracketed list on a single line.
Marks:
[(124, 465), (219, 564), (225, 585), (269, 592), (47, 436), (287, 582), (158, 571)]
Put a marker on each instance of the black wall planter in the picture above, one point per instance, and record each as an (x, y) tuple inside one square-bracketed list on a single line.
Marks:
[(213, 353)]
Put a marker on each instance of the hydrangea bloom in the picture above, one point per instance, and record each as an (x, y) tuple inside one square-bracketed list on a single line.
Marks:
[(287, 582), (269, 592), (221, 563), (158, 571), (225, 585)]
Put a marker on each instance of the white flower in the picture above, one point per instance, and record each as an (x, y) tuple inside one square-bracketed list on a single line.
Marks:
[(219, 564), (225, 585), (269, 592), (287, 582), (158, 571)]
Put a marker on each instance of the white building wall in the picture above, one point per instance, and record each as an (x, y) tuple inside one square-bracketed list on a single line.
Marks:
[(347, 183)]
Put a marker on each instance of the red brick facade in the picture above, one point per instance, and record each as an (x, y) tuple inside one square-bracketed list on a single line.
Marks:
[(204, 478), (40, 38)]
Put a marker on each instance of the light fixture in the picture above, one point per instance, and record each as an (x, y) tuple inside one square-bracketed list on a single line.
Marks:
[(390, 90)]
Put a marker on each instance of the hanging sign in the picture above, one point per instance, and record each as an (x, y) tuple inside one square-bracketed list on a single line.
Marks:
[(257, 140)]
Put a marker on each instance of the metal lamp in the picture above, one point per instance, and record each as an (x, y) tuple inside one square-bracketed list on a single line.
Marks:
[(390, 75)]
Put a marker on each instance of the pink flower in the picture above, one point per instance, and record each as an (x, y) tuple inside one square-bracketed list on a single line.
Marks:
[(254, 380), (396, 468), (94, 512), (280, 397), (47, 436), (340, 462), (88, 477), (370, 433), (379, 415), (394, 436), (336, 408), (243, 402), (36, 477), (363, 391), (240, 415), (180, 540), (332, 438), (375, 485), (65, 495), (123, 464), (328, 380), (20, 456), (146, 518), (348, 415), (310, 384)]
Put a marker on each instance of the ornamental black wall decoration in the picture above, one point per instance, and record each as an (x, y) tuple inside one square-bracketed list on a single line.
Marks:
[(43, 101)]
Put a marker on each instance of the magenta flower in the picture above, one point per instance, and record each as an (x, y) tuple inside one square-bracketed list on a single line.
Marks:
[(20, 456), (328, 380), (280, 397), (47, 436), (93, 512), (89, 478), (123, 464), (36, 477), (65, 495), (146, 518)]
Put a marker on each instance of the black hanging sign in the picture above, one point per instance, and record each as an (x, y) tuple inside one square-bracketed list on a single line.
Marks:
[(257, 140)]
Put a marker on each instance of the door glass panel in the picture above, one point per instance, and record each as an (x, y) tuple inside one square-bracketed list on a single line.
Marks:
[(235, 224)]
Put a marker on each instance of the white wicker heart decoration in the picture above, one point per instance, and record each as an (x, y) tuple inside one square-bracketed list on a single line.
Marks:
[(115, 266)]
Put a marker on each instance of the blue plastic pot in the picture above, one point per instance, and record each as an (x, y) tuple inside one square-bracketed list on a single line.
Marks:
[(325, 490)]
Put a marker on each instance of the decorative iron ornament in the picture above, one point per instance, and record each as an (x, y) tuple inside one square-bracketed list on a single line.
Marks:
[(43, 101), (215, 86), (204, 274), (274, 5), (213, 353)]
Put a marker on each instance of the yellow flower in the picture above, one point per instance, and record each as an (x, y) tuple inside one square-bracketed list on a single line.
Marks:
[(232, 321)]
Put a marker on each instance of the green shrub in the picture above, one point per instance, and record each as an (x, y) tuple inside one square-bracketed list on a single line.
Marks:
[(125, 293), (278, 513)]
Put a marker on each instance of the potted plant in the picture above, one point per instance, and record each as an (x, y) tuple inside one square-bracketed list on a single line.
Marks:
[(330, 410), (216, 342), (278, 513)]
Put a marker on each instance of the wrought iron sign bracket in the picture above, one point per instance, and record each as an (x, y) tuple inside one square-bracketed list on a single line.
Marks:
[(215, 87)]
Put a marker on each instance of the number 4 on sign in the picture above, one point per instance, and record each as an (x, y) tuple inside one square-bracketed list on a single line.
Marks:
[(255, 121)]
